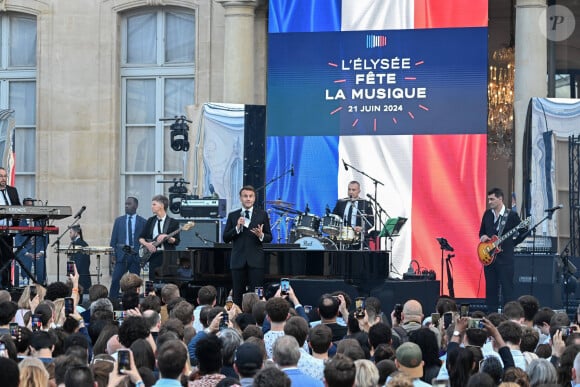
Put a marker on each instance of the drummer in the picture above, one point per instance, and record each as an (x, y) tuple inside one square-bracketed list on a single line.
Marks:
[(350, 210)]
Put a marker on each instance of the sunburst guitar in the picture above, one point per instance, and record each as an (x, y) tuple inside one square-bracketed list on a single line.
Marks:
[(487, 251), (145, 254)]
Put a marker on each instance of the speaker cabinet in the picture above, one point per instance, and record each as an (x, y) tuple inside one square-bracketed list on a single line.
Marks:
[(539, 276), (208, 229)]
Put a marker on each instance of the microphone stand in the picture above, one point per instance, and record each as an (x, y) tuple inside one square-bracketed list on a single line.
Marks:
[(57, 244), (203, 239), (444, 246), (276, 178), (532, 230), (379, 211)]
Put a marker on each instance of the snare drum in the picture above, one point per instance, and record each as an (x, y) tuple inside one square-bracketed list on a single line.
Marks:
[(347, 235), (331, 224), (311, 243), (307, 224)]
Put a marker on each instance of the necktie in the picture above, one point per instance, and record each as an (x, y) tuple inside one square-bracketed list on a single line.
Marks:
[(248, 214), (5, 197), (130, 230), (158, 226), (349, 216)]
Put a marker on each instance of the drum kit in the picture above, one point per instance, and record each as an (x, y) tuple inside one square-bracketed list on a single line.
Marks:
[(89, 250), (311, 231)]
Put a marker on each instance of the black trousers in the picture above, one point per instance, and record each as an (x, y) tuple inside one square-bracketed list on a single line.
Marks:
[(499, 275), (246, 277), (6, 254)]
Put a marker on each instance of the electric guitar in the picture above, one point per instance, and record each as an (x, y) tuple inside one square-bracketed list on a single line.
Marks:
[(487, 251), (145, 254)]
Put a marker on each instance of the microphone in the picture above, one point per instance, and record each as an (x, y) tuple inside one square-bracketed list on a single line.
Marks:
[(559, 206), (371, 197), (78, 214), (345, 165), (292, 170), (212, 191), (200, 237)]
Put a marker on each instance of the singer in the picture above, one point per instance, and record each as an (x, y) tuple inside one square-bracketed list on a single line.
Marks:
[(497, 221), (354, 210), (248, 229)]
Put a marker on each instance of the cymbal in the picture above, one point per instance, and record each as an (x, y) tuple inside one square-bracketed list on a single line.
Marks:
[(287, 210), (279, 203)]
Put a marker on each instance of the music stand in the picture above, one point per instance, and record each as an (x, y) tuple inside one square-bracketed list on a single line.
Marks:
[(445, 246), (392, 229)]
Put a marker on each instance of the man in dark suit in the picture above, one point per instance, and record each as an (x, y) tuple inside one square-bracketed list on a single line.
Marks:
[(81, 259), (501, 271), (125, 244), (155, 236), (247, 228), (351, 210), (8, 197)]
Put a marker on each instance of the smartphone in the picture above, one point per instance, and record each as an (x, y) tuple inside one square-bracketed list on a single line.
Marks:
[(36, 322), (307, 309), (229, 303), (440, 383), (476, 323), (398, 311), (464, 310), (337, 299), (284, 286), (359, 304), (259, 291), (69, 306), (70, 268), (435, 319), (123, 360), (32, 292), (447, 319), (224, 321), (566, 331), (149, 287), (118, 316), (14, 329)]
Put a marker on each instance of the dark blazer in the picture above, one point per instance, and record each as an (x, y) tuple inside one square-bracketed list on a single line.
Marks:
[(363, 205), (119, 235), (247, 247), (14, 200), (488, 228), (169, 226)]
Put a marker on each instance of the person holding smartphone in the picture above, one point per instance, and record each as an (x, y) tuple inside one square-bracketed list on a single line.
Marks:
[(247, 228)]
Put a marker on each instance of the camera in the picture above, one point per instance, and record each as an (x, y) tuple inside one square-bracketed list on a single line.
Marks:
[(123, 361), (224, 321), (284, 286), (359, 303), (149, 287), (69, 306), (70, 268), (476, 323)]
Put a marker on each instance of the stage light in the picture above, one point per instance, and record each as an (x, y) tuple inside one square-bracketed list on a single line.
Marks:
[(179, 137)]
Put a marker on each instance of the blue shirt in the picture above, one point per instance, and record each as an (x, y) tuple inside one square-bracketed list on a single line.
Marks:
[(167, 383)]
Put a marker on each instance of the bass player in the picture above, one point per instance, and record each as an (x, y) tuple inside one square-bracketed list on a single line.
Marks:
[(497, 221), (156, 229)]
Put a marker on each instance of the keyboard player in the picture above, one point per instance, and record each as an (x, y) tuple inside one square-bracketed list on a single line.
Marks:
[(33, 253), (8, 197)]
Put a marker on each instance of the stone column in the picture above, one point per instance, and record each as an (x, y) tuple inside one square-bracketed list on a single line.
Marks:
[(530, 72), (239, 51)]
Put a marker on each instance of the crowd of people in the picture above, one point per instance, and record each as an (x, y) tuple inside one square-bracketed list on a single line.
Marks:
[(50, 337)]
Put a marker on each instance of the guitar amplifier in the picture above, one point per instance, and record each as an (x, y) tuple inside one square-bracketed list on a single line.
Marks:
[(538, 275), (203, 208)]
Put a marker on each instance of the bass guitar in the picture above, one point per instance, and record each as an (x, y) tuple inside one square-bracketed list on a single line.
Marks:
[(487, 251), (145, 254)]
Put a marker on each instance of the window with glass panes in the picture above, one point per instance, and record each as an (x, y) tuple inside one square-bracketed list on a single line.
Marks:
[(157, 79), (18, 92)]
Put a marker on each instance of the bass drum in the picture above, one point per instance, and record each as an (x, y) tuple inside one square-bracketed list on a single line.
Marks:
[(318, 243)]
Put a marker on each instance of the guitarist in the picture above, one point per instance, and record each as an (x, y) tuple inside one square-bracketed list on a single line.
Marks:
[(495, 221), (156, 229)]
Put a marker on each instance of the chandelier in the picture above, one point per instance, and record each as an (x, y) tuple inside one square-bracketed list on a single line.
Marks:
[(500, 94)]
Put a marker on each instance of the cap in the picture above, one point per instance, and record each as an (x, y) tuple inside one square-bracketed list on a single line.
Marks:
[(410, 359), (248, 358)]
